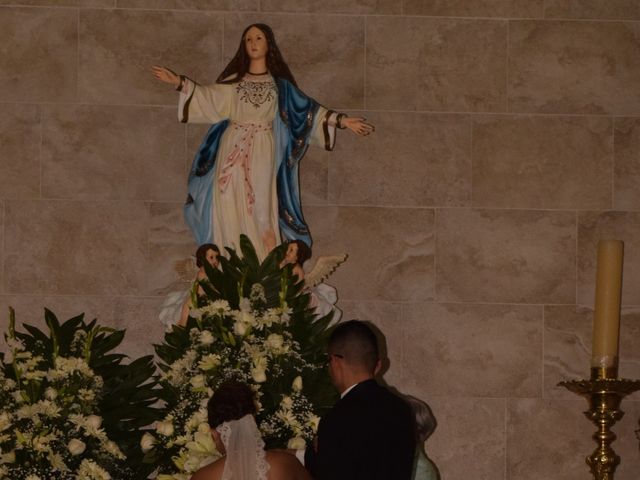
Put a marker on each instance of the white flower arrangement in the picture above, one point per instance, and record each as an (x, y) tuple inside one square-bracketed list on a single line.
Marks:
[(51, 426), (253, 332), (53, 435)]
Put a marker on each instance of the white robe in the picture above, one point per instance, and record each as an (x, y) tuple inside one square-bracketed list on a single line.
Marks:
[(245, 197)]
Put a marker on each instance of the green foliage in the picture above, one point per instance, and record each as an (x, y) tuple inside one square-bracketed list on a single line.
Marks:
[(129, 392)]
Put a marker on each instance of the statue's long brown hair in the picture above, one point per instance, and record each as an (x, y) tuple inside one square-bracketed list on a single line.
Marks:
[(239, 64)]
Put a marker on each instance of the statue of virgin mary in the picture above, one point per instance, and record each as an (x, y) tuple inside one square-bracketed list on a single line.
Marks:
[(244, 178)]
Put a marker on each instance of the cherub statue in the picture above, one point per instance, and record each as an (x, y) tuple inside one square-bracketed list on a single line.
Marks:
[(176, 307), (323, 296)]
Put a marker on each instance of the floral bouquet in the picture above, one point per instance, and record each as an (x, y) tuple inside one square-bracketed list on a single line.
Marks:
[(252, 325), (54, 406)]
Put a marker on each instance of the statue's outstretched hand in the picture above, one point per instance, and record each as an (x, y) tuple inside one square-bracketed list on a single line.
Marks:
[(165, 75), (358, 125)]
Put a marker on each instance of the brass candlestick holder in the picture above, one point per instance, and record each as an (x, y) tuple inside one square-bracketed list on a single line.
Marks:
[(604, 392)]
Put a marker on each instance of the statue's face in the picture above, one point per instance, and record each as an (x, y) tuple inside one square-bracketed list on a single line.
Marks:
[(291, 257), (255, 43), (212, 257)]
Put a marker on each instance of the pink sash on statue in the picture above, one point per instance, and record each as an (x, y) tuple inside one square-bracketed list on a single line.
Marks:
[(241, 155)]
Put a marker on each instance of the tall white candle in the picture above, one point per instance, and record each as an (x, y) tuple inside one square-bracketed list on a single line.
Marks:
[(606, 319)]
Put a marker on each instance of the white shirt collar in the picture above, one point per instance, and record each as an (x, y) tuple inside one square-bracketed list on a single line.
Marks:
[(342, 395)]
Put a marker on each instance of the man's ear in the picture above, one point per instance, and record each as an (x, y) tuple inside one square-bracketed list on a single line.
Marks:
[(378, 367)]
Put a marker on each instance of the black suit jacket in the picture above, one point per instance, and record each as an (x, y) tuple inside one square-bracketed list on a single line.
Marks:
[(368, 435)]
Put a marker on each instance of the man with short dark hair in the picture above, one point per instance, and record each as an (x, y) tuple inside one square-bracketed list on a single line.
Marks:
[(369, 433)]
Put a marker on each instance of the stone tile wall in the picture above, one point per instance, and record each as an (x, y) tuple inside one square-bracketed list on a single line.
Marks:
[(507, 144)]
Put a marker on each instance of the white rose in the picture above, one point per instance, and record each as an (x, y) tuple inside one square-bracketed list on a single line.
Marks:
[(94, 421), (50, 394), (259, 375), (76, 447), (206, 338), (147, 442), (111, 447), (239, 328), (275, 341), (297, 384), (297, 443), (197, 381), (165, 428), (244, 304)]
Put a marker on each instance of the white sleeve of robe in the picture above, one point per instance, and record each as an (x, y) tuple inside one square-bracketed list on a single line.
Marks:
[(323, 132), (200, 104)]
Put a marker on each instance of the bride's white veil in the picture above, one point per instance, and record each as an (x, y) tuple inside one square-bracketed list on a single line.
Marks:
[(245, 458)]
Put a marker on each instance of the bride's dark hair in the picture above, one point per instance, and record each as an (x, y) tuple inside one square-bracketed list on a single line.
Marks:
[(239, 64), (231, 401)]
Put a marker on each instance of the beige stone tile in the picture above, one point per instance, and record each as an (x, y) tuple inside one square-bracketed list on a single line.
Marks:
[(475, 8), (469, 441), (547, 439), (330, 71), (314, 176), (593, 226), (386, 317), (574, 67), (473, 350), (171, 266), (626, 174), (436, 64), (62, 247), (505, 256), (103, 152), (139, 316), (40, 62), (410, 160), (390, 250), (542, 162), (596, 9), (118, 47), (567, 346), (191, 4), (2, 235), (61, 3), (333, 6), (20, 133)]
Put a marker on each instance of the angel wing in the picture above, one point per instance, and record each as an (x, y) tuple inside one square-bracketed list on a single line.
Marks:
[(323, 268)]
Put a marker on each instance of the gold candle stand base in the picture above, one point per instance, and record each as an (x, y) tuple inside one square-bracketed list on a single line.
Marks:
[(604, 396)]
